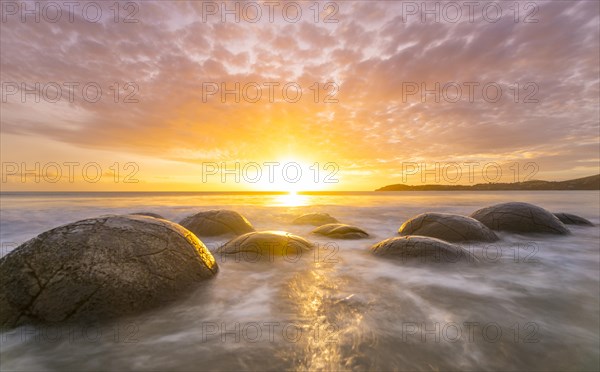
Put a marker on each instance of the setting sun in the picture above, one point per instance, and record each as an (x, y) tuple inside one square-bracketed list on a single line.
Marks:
[(290, 174), (291, 199)]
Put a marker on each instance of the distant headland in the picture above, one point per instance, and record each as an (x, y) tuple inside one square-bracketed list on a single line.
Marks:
[(586, 183)]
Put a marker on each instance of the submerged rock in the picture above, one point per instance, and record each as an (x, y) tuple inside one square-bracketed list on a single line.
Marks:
[(217, 222), (265, 245), (148, 214), (448, 227), (422, 247), (573, 219), (520, 218), (340, 231), (315, 219), (100, 268)]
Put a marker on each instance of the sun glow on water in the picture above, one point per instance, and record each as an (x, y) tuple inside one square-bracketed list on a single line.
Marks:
[(292, 199)]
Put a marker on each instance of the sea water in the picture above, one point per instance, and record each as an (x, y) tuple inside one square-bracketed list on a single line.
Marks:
[(530, 303)]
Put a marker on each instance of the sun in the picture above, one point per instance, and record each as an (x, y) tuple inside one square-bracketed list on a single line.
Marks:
[(292, 199), (291, 175)]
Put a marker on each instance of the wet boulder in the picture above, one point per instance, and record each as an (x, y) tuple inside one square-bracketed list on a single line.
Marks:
[(315, 219), (148, 214), (217, 222), (340, 231), (573, 219), (448, 227), (520, 217), (423, 248), (100, 268), (265, 246)]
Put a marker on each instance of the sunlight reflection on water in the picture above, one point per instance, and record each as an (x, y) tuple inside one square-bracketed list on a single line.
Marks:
[(352, 308), (291, 199)]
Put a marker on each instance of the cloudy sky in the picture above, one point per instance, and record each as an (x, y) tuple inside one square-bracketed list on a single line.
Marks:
[(388, 89)]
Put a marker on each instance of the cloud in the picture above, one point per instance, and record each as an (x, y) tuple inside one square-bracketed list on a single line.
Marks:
[(371, 53)]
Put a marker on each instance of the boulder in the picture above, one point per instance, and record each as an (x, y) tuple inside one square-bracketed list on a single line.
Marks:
[(423, 248), (217, 222), (573, 219), (148, 214), (448, 227), (100, 268), (315, 219), (265, 246), (340, 231), (520, 218)]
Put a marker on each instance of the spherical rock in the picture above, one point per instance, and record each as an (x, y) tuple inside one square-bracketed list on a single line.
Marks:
[(100, 268), (315, 219), (448, 227), (520, 218), (217, 222), (573, 219), (148, 214), (340, 231), (422, 247), (265, 245)]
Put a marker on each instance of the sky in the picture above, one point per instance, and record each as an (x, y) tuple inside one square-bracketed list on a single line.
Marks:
[(261, 96)]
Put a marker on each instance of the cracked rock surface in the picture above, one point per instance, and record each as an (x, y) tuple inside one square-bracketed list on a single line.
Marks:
[(520, 218), (217, 222), (315, 219), (265, 245), (100, 268), (423, 248), (340, 231), (573, 219), (448, 227)]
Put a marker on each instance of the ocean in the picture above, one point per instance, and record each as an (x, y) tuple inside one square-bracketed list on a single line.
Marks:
[(530, 303)]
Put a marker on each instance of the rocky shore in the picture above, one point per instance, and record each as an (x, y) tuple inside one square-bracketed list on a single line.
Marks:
[(118, 265)]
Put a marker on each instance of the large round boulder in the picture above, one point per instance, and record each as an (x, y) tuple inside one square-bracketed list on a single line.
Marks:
[(217, 222), (340, 231), (423, 248), (520, 218), (148, 214), (265, 246), (100, 268), (315, 219), (448, 227), (573, 219)]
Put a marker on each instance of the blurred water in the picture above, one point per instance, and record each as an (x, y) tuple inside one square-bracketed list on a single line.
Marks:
[(532, 303)]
